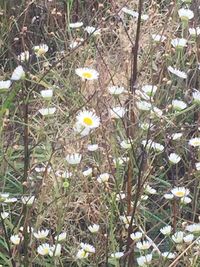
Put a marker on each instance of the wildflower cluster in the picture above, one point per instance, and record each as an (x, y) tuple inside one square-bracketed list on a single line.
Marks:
[(100, 133)]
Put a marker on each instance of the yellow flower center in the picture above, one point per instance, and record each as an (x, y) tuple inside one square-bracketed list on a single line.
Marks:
[(46, 250), (196, 143), (41, 51), (83, 254), (180, 194), (88, 121), (87, 75)]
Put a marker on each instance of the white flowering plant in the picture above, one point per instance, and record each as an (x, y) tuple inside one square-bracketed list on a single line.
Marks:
[(100, 134)]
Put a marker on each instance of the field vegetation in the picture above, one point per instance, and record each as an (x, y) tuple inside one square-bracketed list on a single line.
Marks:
[(99, 133)]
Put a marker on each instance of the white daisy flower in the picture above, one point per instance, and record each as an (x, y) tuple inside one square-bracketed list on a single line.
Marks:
[(130, 12), (158, 37), (43, 249), (149, 190), (41, 234), (168, 255), (196, 97), (194, 31), (63, 174), (28, 200), (144, 17), (187, 1), (40, 169), (143, 245), (144, 260), (16, 239), (117, 255), (195, 142), (18, 74), (4, 196), (88, 119), (87, 172), (193, 228), (149, 89), (178, 105), (24, 56), (87, 247), (156, 112), (153, 145), (116, 90), (178, 237), (185, 14), (82, 254), (188, 238), (136, 236), (174, 158), (186, 200), (144, 105), (180, 191), (47, 111), (168, 196), (120, 161), (146, 126), (92, 147), (147, 143), (134, 14), (166, 230), (87, 74), (103, 178), (197, 165), (74, 159), (126, 220), (61, 237), (55, 250), (92, 30), (40, 50), (176, 136), (5, 84), (117, 112), (76, 25), (120, 196), (4, 215), (144, 197), (175, 71), (10, 200), (29, 229), (126, 144), (73, 44), (179, 43), (93, 228), (47, 93)]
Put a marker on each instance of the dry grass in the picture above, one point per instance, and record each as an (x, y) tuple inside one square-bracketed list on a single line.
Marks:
[(84, 201)]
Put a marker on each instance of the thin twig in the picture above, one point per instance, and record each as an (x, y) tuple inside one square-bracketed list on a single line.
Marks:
[(130, 122)]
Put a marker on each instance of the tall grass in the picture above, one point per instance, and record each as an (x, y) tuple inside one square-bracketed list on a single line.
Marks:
[(111, 205)]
